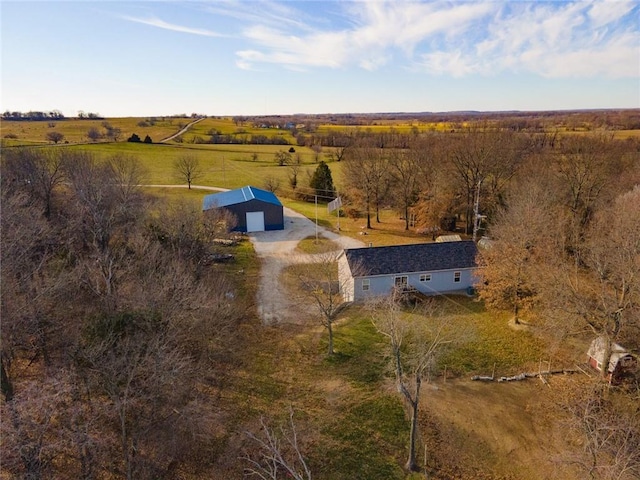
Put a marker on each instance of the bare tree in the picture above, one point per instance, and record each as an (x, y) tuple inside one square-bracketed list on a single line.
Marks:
[(338, 153), (283, 158), (320, 283), (94, 134), (414, 350), (366, 174), (31, 289), (272, 184), (107, 205), (113, 133), (405, 172), (187, 168), (147, 379), (317, 150), (608, 432), (519, 233), (483, 161), (39, 172), (294, 169), (279, 453), (55, 137)]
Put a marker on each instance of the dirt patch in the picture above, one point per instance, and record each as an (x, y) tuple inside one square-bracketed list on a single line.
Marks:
[(503, 430)]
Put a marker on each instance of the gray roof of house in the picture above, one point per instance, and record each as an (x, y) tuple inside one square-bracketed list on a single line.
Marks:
[(240, 195), (421, 257)]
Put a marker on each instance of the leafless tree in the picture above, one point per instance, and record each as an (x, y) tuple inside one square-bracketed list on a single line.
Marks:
[(414, 350), (272, 184), (320, 283), (366, 174), (107, 205), (129, 358), (519, 234), (283, 158), (294, 170), (38, 172), (338, 153), (187, 168), (55, 137), (279, 453), (317, 150), (30, 289), (94, 134), (483, 159), (113, 133), (405, 172), (608, 432)]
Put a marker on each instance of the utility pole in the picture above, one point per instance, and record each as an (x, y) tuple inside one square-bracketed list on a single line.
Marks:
[(316, 196), (476, 215), (338, 196)]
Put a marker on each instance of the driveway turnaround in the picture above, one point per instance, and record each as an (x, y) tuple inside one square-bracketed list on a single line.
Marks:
[(276, 249)]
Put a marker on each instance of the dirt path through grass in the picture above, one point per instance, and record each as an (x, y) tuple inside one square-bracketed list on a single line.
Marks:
[(187, 127)]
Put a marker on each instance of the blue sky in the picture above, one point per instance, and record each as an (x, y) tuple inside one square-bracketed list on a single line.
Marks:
[(122, 58)]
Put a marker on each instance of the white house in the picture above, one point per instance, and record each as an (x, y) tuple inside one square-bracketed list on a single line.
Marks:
[(430, 268)]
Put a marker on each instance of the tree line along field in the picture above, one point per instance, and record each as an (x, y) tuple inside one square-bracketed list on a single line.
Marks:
[(154, 325)]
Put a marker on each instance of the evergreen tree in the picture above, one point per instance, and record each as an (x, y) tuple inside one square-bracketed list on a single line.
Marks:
[(322, 182)]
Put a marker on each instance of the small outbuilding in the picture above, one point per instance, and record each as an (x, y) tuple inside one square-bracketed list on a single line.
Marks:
[(429, 268), (621, 362), (256, 210), (448, 238)]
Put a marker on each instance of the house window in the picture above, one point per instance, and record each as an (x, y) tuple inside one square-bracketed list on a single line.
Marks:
[(401, 282), (366, 283), (425, 277), (456, 277)]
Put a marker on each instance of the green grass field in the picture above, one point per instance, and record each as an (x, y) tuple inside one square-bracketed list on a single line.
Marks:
[(75, 131), (225, 166)]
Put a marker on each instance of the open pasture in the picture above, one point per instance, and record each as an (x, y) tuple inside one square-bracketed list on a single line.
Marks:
[(225, 166), (226, 126), (75, 130)]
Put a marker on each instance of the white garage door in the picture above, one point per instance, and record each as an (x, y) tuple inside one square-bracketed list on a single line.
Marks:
[(255, 221)]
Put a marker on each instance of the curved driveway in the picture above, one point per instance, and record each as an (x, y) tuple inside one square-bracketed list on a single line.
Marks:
[(276, 249)]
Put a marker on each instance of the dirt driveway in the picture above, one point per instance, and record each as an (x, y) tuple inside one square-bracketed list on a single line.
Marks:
[(276, 249)]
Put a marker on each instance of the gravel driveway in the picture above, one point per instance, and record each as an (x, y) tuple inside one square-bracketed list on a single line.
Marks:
[(276, 249)]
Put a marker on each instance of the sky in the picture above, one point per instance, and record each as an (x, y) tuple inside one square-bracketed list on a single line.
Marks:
[(236, 57)]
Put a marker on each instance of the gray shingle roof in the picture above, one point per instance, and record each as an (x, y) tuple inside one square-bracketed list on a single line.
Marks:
[(240, 195), (422, 257)]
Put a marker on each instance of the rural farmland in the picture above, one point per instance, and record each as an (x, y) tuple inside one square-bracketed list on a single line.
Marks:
[(188, 348)]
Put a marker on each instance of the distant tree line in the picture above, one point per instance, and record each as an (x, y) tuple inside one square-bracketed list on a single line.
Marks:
[(216, 137), (33, 116), (617, 119)]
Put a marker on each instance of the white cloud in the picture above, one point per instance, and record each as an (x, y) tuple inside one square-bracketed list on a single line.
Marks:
[(550, 39), (373, 29), (156, 22), (609, 11)]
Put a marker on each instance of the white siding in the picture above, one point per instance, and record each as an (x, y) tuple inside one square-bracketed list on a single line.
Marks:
[(345, 279)]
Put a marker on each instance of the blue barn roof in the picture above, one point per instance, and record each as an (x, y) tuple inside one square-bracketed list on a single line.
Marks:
[(240, 195)]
